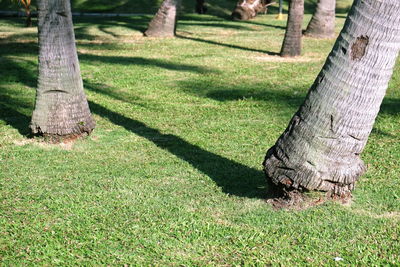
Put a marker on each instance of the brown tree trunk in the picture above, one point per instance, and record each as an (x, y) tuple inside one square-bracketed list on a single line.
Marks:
[(200, 7), (248, 9), (291, 46), (322, 23), (164, 22), (61, 107), (28, 21), (320, 149)]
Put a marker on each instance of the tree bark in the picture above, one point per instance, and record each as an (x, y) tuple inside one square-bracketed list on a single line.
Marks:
[(164, 22), (28, 21), (61, 106), (200, 7), (291, 46), (321, 147), (322, 23), (248, 9)]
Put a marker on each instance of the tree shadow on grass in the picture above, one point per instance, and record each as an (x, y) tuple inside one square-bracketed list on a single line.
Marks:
[(227, 45), (234, 178), (390, 106), (142, 62), (11, 116)]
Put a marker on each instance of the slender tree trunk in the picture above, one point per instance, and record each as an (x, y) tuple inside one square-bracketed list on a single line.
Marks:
[(291, 46), (28, 21), (61, 107), (248, 9), (322, 23), (164, 22), (200, 7), (320, 149)]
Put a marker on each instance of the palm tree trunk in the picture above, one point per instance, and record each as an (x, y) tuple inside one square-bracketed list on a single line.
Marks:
[(320, 149), (322, 23), (61, 107), (28, 21), (200, 7), (164, 22), (291, 46)]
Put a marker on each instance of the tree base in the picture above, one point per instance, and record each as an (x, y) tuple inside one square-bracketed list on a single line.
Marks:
[(292, 199), (58, 139)]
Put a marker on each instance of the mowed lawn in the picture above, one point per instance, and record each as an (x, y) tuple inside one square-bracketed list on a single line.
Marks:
[(172, 173)]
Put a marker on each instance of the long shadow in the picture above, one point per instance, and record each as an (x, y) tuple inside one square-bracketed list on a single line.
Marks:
[(390, 106), (234, 178), (218, 25), (11, 116), (227, 45), (263, 24), (143, 62)]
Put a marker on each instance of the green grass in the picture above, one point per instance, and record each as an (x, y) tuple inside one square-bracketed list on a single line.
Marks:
[(172, 173)]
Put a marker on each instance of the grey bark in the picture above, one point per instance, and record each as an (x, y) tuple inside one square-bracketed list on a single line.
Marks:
[(164, 22), (320, 149), (322, 23), (291, 46), (61, 106)]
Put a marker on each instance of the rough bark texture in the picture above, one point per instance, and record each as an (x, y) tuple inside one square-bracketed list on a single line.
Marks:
[(320, 149), (322, 23), (164, 22), (61, 107), (248, 9), (200, 7), (291, 46)]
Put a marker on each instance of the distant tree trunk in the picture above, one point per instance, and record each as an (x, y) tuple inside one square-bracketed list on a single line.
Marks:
[(164, 22), (320, 149), (200, 7), (61, 107), (248, 9), (28, 21), (291, 46), (322, 23)]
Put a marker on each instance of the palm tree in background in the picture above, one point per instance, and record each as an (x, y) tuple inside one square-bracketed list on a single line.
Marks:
[(322, 23), (164, 22), (291, 46)]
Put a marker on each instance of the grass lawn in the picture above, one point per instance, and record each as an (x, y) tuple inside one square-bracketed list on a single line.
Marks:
[(172, 173)]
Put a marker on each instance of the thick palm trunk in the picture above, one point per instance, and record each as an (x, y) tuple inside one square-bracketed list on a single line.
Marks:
[(248, 9), (291, 46), (320, 149), (164, 22), (61, 106), (322, 23)]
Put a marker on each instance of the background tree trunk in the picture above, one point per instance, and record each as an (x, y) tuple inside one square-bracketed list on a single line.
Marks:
[(164, 22), (61, 107), (291, 46), (200, 7), (28, 21), (248, 9), (322, 23), (321, 147)]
